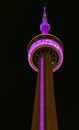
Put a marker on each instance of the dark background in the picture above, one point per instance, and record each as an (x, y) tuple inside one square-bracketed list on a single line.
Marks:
[(19, 23)]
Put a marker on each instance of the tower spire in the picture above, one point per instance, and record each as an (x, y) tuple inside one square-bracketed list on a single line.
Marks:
[(45, 26)]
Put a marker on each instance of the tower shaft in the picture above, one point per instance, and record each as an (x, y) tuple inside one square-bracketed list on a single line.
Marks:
[(44, 113)]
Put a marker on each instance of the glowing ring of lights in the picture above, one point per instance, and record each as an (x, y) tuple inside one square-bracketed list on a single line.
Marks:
[(45, 42)]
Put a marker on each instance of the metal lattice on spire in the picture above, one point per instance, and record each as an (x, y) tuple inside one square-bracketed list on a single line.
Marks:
[(45, 26)]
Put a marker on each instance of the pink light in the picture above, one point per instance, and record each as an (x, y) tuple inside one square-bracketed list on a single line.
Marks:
[(45, 26), (46, 42), (41, 125)]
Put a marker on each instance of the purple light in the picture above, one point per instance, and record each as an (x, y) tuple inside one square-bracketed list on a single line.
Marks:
[(46, 42), (45, 26), (41, 125)]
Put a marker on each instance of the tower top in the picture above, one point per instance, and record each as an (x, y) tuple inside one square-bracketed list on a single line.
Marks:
[(43, 44), (44, 12), (45, 26)]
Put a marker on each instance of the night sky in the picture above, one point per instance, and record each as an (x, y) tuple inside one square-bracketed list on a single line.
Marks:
[(19, 21)]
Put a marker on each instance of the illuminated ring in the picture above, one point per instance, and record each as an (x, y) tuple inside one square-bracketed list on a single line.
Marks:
[(46, 42)]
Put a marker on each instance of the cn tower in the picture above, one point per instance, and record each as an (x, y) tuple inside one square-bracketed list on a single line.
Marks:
[(45, 56)]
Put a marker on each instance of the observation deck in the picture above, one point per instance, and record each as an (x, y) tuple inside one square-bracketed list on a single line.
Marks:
[(45, 43)]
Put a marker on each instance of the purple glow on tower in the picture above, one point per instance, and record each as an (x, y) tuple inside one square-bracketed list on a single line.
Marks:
[(45, 26), (40, 46), (41, 123), (45, 43)]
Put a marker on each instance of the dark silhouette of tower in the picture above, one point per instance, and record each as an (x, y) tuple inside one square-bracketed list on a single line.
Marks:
[(45, 55)]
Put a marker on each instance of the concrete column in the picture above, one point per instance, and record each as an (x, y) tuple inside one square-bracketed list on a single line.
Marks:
[(50, 107), (44, 112)]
